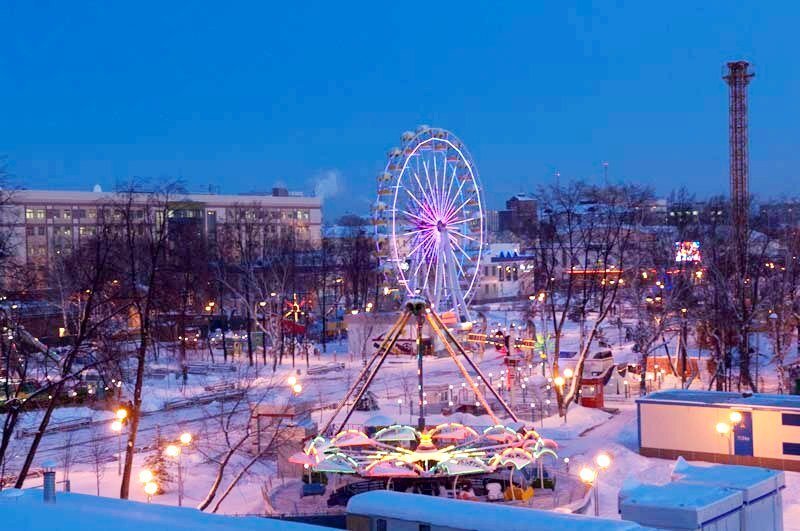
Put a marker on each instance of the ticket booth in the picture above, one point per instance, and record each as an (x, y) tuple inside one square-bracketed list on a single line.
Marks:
[(592, 391)]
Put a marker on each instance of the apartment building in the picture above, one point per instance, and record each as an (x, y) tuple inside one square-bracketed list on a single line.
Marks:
[(45, 223)]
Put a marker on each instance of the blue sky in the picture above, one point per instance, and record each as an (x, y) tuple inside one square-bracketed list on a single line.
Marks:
[(247, 95)]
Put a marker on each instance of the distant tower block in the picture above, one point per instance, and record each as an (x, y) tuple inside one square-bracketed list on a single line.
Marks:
[(739, 76)]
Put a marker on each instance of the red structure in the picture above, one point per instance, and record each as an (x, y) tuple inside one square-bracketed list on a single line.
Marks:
[(739, 76), (592, 392)]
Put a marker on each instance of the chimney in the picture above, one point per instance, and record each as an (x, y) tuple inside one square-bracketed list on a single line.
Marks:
[(49, 472)]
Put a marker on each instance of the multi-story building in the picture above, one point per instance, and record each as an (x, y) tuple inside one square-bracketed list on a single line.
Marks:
[(45, 223), (506, 273)]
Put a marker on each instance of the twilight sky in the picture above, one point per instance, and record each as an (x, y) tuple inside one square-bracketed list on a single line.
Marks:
[(312, 94)]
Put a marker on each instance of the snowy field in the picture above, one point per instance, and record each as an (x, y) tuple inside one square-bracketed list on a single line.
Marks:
[(91, 450)]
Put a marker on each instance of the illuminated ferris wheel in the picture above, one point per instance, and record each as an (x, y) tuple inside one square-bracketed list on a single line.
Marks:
[(428, 219)]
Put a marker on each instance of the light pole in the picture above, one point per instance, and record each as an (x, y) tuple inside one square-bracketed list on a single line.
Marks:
[(724, 430), (603, 461), (150, 487), (121, 416), (774, 318), (588, 477), (175, 451)]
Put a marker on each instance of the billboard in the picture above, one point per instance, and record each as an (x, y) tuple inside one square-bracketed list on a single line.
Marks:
[(687, 251)]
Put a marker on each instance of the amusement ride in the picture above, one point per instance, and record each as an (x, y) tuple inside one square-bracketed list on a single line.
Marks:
[(429, 229)]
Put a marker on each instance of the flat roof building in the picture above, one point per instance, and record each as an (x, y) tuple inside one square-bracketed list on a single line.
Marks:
[(734, 428), (44, 223)]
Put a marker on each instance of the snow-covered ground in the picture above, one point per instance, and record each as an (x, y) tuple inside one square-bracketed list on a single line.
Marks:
[(586, 432)]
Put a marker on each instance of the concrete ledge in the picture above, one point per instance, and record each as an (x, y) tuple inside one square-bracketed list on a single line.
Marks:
[(764, 462)]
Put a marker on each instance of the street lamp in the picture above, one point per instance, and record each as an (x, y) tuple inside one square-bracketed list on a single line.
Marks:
[(174, 451), (121, 414), (724, 430), (186, 438), (145, 476), (297, 388), (150, 488), (735, 417), (568, 373), (116, 426), (291, 381), (588, 477)]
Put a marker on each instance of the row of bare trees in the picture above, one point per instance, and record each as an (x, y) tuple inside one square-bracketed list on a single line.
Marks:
[(598, 254), (150, 263)]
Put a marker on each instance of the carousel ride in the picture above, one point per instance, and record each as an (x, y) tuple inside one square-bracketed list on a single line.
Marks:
[(429, 229)]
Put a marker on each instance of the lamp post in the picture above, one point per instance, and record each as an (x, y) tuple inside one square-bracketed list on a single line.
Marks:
[(588, 477), (175, 451), (724, 430), (603, 461), (121, 416)]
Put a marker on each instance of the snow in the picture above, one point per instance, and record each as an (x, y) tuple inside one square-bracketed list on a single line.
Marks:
[(723, 398), (678, 505), (89, 513), (754, 482), (473, 515)]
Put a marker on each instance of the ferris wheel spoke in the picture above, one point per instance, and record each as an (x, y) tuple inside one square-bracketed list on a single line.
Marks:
[(422, 188), (428, 180), (454, 242), (455, 197), (461, 221), (422, 206), (450, 185), (456, 233)]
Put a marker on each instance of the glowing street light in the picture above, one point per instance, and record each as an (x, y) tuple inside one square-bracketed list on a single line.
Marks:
[(603, 460), (588, 476), (735, 417), (291, 381), (559, 381), (297, 388), (150, 488), (145, 476), (726, 430), (568, 373), (185, 438), (121, 413), (172, 450), (116, 426)]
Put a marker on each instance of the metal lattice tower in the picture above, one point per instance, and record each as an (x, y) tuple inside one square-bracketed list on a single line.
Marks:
[(739, 76)]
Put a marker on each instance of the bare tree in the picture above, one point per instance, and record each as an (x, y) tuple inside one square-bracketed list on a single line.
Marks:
[(142, 220)]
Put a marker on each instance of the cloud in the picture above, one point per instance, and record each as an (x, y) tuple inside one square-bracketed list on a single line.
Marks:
[(326, 184)]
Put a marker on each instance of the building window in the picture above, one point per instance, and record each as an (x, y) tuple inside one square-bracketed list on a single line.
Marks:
[(791, 448), (80, 213), (67, 214), (41, 231), (30, 231), (790, 419), (380, 524), (34, 213)]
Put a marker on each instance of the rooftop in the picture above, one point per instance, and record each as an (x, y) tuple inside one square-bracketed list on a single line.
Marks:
[(473, 515), (26, 510), (722, 399), (78, 196)]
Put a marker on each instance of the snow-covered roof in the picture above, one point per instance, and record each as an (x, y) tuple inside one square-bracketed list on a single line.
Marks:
[(478, 516), (721, 399), (80, 511), (677, 505), (754, 482)]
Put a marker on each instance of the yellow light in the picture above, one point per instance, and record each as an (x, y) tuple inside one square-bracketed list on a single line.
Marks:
[(262, 303), (723, 428), (291, 380), (386, 290), (735, 417), (587, 475), (698, 274), (603, 460), (150, 488), (122, 414), (172, 450), (568, 373), (62, 331), (116, 426), (558, 380), (145, 476), (644, 275), (186, 438), (297, 388)]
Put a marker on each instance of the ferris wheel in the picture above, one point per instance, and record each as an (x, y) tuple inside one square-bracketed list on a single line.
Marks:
[(428, 219)]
